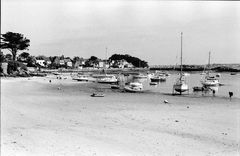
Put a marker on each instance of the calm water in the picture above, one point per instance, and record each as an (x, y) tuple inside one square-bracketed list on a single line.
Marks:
[(231, 83)]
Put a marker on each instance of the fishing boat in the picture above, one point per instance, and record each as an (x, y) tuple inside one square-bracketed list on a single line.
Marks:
[(209, 80), (158, 78), (134, 87), (140, 76), (107, 79), (197, 88), (153, 83), (115, 86), (180, 85)]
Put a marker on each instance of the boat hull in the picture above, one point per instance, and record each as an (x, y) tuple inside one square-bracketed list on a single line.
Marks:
[(180, 88), (132, 90), (158, 79)]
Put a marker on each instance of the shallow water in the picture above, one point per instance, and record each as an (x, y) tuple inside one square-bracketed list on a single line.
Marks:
[(231, 83)]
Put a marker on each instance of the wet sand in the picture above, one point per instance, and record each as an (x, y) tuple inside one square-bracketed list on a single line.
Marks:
[(60, 118)]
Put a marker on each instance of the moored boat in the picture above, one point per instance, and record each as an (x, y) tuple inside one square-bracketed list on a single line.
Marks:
[(134, 87), (159, 78), (140, 76), (197, 88), (115, 86), (209, 80), (153, 83), (97, 95), (180, 85), (81, 78), (107, 79)]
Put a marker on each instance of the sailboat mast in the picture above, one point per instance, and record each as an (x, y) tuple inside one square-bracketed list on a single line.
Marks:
[(181, 58), (209, 56), (106, 54)]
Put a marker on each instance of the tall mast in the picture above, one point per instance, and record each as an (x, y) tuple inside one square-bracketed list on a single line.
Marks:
[(181, 57), (209, 56), (106, 54)]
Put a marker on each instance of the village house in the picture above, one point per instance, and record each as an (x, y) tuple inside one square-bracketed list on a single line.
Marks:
[(79, 63), (40, 61), (121, 64), (68, 62)]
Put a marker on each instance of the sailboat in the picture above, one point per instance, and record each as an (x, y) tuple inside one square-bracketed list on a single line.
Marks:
[(209, 80), (180, 85), (107, 78)]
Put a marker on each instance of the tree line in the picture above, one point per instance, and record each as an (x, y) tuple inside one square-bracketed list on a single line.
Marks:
[(15, 42)]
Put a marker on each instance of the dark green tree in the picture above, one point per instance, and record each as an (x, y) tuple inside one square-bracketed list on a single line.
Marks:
[(130, 59), (23, 56), (14, 42)]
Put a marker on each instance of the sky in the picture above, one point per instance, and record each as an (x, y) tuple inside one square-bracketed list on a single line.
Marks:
[(149, 30)]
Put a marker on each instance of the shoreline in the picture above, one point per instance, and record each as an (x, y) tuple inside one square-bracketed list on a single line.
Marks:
[(39, 119)]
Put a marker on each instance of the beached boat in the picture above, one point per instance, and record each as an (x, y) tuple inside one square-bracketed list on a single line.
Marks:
[(197, 88), (107, 79), (134, 87), (233, 73), (180, 85), (153, 83), (158, 78), (150, 75), (97, 95), (55, 73), (209, 80), (81, 78), (115, 86), (140, 76), (218, 75)]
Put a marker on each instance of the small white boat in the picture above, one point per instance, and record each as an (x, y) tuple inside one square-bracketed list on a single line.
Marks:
[(107, 79), (150, 75), (97, 95), (140, 76), (55, 73), (153, 83), (134, 87), (81, 78), (158, 78), (180, 86), (210, 81)]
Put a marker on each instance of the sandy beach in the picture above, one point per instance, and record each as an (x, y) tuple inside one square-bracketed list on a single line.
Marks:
[(60, 118)]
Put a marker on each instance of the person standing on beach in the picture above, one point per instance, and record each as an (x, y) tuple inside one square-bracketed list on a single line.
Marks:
[(213, 91), (230, 95)]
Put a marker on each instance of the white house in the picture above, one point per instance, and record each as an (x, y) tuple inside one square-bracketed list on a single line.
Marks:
[(41, 62)]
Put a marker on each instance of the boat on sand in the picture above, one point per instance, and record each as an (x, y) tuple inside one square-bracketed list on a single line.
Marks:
[(134, 87), (180, 85), (97, 95)]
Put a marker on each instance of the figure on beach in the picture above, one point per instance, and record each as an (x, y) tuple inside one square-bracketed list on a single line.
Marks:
[(230, 95)]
